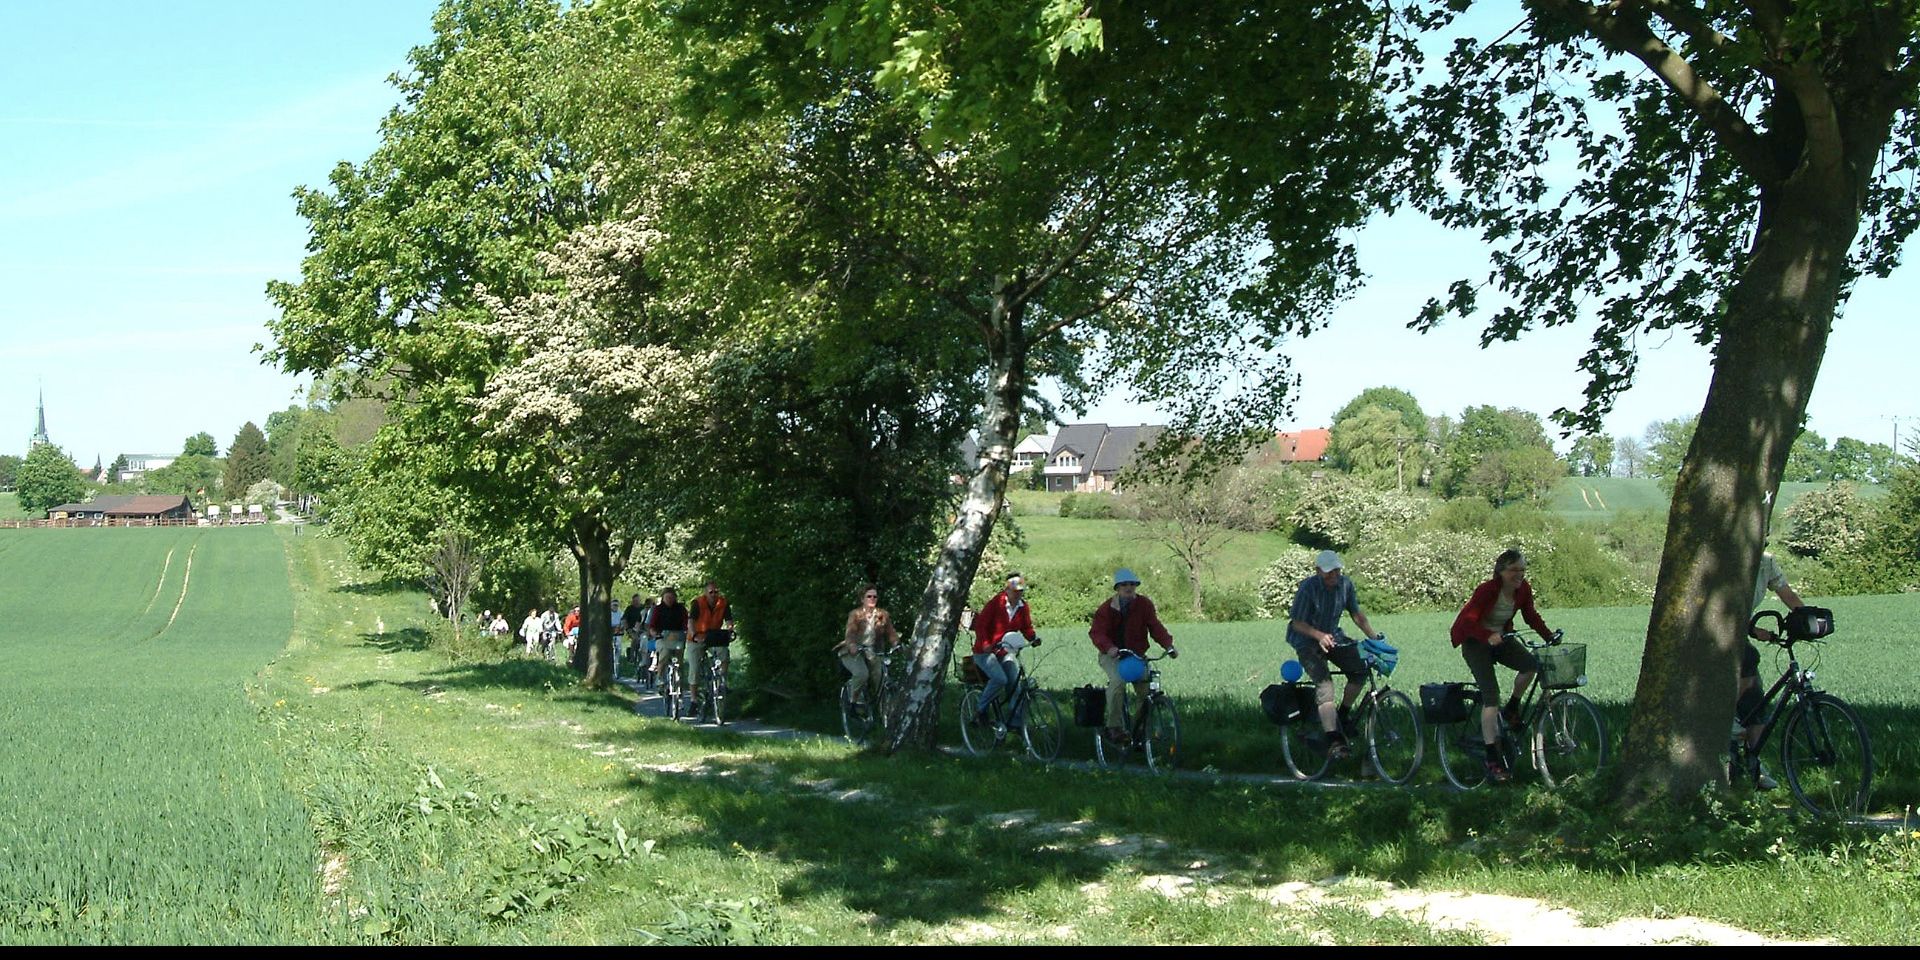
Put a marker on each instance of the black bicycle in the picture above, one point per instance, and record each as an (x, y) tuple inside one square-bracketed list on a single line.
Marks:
[(1386, 717), (1824, 751), (1568, 738), (1041, 733), (1153, 734), (859, 719), (712, 705)]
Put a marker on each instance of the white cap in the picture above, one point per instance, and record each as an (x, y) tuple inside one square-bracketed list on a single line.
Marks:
[(1327, 560)]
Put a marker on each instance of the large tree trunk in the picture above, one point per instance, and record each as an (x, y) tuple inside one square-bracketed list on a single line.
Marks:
[(1770, 344), (592, 549), (913, 714)]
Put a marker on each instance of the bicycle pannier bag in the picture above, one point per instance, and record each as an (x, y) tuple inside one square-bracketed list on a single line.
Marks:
[(971, 674), (1443, 702), (1284, 703), (1090, 706), (1809, 623)]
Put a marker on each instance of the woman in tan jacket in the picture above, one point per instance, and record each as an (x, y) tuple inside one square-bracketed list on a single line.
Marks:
[(859, 651)]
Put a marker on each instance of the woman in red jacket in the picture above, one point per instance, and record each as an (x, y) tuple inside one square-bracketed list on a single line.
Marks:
[(1479, 633)]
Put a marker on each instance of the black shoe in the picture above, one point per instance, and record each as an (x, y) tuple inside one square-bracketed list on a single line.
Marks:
[(1510, 716), (1337, 748), (1346, 722)]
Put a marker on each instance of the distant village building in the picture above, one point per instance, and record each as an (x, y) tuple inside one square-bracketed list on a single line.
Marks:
[(1088, 457), (135, 509), (1303, 446), (140, 464)]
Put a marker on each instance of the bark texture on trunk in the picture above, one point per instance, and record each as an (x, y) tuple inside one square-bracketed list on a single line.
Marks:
[(1767, 356), (592, 549), (913, 713)]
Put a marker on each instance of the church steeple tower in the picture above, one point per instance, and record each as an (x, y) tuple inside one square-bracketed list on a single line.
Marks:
[(40, 433)]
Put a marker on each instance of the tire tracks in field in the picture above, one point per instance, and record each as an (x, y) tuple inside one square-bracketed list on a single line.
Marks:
[(186, 578), (161, 584)]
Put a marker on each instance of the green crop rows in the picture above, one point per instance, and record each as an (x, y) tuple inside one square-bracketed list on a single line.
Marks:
[(142, 801)]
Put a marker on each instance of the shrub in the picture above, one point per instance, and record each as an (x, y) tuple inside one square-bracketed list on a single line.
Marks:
[(1571, 568), (1340, 512), (1230, 602), (1462, 515), (1829, 521), (1070, 505), (1432, 570), (1274, 591), (1097, 506)]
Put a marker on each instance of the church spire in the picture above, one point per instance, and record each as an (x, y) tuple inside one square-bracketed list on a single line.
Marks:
[(40, 433)]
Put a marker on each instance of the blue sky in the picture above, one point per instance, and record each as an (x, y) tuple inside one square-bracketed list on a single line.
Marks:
[(148, 153)]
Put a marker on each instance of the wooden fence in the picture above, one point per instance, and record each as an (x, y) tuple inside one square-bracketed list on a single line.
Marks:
[(130, 522)]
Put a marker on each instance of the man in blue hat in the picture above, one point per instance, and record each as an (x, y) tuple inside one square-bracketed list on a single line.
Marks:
[(1313, 630), (1120, 628)]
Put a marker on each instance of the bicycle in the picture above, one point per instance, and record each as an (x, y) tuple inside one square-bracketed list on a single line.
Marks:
[(1154, 733), (670, 686), (1396, 744), (1042, 731), (1825, 753), (1569, 737), (858, 720), (711, 706)]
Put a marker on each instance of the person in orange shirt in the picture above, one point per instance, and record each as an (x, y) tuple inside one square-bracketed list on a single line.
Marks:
[(711, 633)]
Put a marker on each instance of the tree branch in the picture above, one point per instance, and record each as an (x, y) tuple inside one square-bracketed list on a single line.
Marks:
[(1616, 29)]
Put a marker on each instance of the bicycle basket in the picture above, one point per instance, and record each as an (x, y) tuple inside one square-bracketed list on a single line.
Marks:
[(1384, 655), (1443, 702), (1809, 623), (1283, 703), (1564, 666), (1090, 706)]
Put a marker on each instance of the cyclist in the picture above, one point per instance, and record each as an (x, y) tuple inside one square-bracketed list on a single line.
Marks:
[(1479, 633), (628, 625), (1767, 577), (859, 652), (530, 631), (1120, 629), (1312, 628), (668, 626), (710, 633), (1006, 613), (549, 632)]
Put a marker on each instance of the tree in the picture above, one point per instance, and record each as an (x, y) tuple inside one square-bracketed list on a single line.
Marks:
[(47, 478), (1860, 461), (452, 569), (1067, 196), (1667, 442), (118, 466), (1374, 443), (1486, 433), (1194, 519), (1515, 474), (1592, 455), (1392, 398), (248, 461), (200, 445), (1807, 460), (1753, 168), (283, 440), (1629, 455), (195, 475), (9, 465)]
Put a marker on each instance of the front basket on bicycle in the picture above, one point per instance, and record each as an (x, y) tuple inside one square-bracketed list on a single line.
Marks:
[(1564, 666)]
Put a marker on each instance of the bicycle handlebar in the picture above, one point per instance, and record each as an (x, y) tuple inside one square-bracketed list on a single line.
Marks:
[(1559, 637)]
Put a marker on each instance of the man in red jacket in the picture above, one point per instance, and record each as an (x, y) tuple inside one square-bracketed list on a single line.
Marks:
[(1006, 613), (1120, 628)]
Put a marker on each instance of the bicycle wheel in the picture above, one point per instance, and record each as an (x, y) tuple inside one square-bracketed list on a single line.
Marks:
[(977, 740), (1044, 731), (673, 690), (857, 726), (717, 694), (1160, 736), (1394, 737), (1463, 754), (1303, 748), (1570, 742), (1825, 756)]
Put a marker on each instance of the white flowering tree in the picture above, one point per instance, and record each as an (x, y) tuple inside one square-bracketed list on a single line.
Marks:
[(589, 383)]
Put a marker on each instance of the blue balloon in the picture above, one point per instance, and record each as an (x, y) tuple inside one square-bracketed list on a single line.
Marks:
[(1131, 669), (1292, 671)]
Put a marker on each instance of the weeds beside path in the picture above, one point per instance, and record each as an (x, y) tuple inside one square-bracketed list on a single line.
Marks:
[(495, 801)]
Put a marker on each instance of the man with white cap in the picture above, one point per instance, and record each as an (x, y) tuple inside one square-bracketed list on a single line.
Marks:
[(1313, 630), (1120, 629)]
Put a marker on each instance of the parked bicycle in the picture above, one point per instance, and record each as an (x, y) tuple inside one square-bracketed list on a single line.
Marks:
[(1384, 717), (1153, 734), (858, 721), (1825, 753), (1041, 733), (1568, 738)]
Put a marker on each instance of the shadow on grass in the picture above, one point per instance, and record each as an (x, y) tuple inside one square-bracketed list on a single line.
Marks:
[(378, 588), (513, 673), (404, 640)]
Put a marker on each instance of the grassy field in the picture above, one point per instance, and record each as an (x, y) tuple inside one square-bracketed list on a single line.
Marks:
[(1600, 498), (10, 507), (143, 803), (371, 787)]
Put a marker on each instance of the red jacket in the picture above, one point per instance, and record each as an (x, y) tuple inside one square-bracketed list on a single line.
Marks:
[(992, 623), (1108, 626), (1470, 625)]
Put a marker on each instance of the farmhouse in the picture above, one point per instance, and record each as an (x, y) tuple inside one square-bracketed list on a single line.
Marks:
[(126, 509), (1303, 446), (1087, 457), (140, 464)]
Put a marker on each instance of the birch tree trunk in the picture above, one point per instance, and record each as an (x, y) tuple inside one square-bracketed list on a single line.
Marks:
[(913, 715)]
